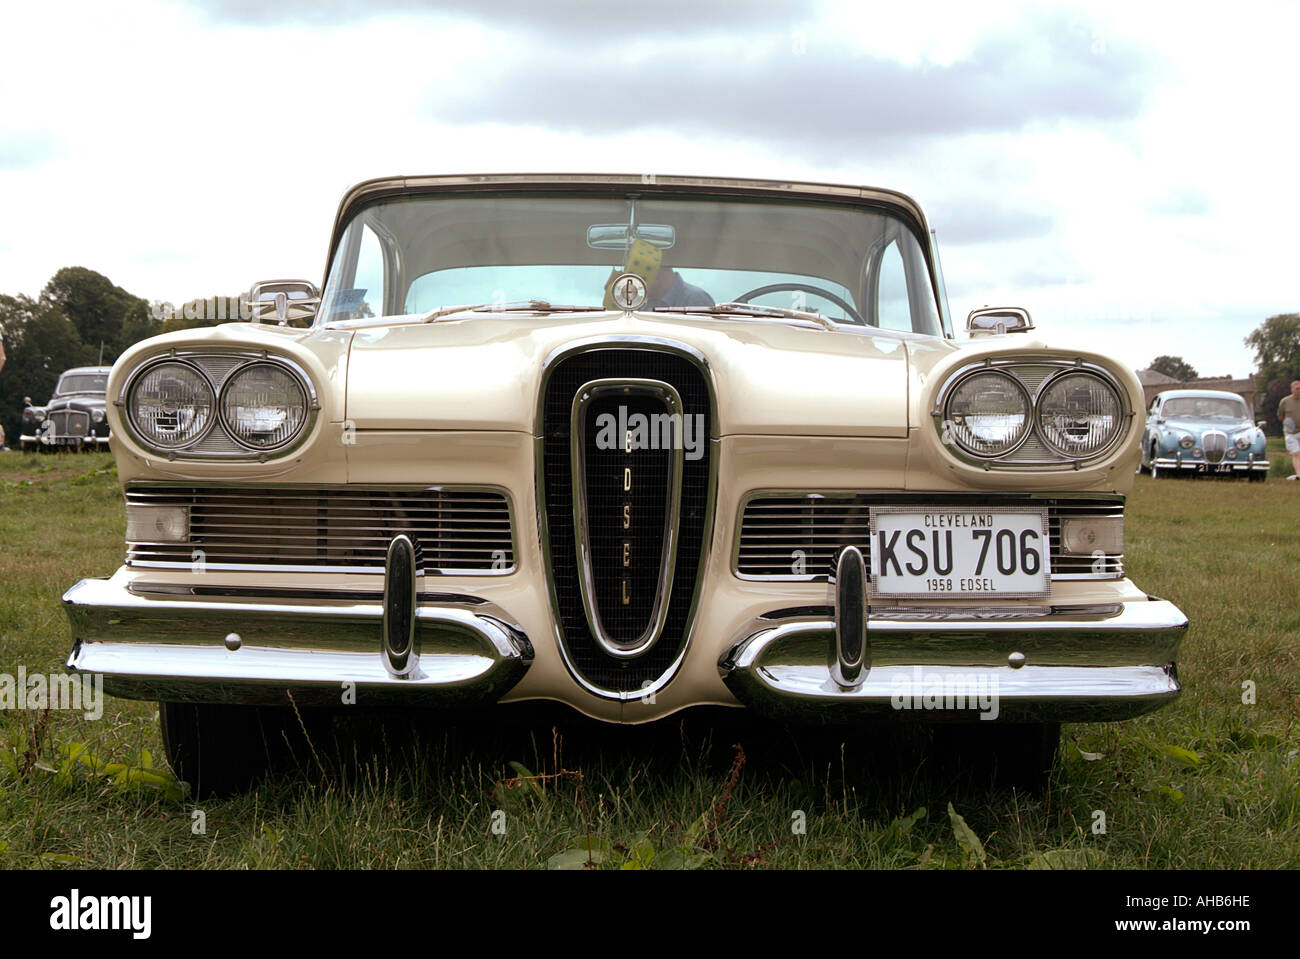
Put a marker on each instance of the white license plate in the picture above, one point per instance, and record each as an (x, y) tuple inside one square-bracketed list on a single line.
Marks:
[(959, 553)]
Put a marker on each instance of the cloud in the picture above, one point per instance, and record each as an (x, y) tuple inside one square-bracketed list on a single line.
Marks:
[(969, 223), (825, 100), (22, 151), (562, 19), (1181, 201)]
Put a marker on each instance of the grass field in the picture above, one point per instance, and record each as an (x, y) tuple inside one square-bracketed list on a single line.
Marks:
[(1212, 781)]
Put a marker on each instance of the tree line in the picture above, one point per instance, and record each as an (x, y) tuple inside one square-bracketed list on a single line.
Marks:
[(80, 318)]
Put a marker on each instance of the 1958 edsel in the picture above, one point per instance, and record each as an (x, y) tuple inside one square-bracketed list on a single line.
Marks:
[(635, 444)]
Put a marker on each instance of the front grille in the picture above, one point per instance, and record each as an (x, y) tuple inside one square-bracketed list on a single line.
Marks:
[(1215, 444), (70, 423), (785, 536), (626, 588), (459, 530), (585, 654)]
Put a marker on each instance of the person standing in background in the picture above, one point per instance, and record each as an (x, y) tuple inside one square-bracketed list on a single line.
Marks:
[(1288, 412)]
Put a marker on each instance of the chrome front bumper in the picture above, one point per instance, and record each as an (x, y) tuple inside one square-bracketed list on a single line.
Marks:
[(1260, 465), (188, 648), (1039, 664)]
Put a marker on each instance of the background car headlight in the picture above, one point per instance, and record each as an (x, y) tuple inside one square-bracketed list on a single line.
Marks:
[(171, 405), (1186, 442), (1244, 441), (1079, 415), (97, 416), (987, 414), (264, 406)]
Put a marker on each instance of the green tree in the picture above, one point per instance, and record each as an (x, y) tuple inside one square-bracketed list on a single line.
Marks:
[(40, 343), (100, 311), (1276, 343), (1174, 366)]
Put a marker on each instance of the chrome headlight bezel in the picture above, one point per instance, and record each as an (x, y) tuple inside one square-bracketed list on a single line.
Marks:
[(1045, 435), (297, 379), (950, 417), (218, 442), (1035, 375), (129, 412)]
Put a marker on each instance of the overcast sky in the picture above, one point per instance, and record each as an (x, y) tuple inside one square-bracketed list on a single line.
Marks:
[(1124, 170)]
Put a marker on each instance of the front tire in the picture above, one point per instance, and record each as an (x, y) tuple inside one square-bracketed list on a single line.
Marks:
[(1016, 756), (221, 750)]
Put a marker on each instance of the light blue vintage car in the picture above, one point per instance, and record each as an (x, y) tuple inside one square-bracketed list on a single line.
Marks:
[(1202, 431)]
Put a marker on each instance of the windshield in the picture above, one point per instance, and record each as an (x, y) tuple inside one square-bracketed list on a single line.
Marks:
[(82, 383), (416, 255), (1204, 407)]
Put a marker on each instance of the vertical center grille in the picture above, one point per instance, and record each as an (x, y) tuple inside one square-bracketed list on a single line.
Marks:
[(626, 456), (1215, 444), (623, 626)]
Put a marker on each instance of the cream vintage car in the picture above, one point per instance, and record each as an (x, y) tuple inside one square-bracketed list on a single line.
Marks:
[(635, 444)]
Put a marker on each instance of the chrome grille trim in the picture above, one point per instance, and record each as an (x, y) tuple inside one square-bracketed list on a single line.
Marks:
[(773, 524), (462, 530), (1215, 445), (70, 423)]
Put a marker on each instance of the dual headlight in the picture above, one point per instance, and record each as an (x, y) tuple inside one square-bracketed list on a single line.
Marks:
[(172, 405), (1076, 414)]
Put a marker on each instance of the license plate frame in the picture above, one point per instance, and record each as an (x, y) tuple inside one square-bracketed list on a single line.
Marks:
[(882, 520)]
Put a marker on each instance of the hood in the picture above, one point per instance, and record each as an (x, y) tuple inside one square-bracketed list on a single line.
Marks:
[(771, 377), (86, 402)]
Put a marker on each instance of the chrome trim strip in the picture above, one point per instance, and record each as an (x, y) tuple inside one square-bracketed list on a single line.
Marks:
[(588, 393)]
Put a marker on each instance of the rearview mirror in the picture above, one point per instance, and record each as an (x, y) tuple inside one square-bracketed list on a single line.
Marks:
[(621, 236), (996, 321), (283, 300)]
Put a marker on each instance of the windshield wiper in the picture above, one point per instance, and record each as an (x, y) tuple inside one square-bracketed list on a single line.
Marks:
[(514, 306), (749, 309)]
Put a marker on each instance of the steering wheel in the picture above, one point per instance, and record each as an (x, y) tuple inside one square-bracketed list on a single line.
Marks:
[(843, 304)]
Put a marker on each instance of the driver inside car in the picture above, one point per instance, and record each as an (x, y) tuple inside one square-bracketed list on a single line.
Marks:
[(664, 285)]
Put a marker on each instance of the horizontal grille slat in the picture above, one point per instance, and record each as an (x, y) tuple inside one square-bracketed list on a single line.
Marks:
[(792, 535), (458, 530)]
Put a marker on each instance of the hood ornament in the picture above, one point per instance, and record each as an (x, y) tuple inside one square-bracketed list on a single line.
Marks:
[(629, 292)]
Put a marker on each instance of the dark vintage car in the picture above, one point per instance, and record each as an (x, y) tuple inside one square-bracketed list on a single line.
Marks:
[(74, 417), (1203, 431)]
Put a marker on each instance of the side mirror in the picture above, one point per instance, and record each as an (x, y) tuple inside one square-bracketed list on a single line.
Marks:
[(27, 401), (1260, 423), (997, 321), (283, 300)]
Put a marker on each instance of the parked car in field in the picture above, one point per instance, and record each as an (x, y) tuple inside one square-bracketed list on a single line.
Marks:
[(632, 444), (1200, 432), (75, 416)]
